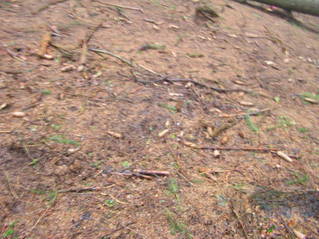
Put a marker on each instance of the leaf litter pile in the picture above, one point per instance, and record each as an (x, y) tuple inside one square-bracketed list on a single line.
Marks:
[(157, 119)]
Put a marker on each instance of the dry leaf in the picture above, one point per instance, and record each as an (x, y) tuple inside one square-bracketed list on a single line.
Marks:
[(45, 41), (190, 144), (241, 134)]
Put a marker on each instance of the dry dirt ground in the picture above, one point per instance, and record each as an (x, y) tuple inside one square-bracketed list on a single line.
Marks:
[(76, 130)]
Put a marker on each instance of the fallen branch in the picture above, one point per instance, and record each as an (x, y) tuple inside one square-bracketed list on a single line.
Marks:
[(252, 149), (121, 6)]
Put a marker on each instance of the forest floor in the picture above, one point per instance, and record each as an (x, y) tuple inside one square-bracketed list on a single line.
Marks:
[(157, 119)]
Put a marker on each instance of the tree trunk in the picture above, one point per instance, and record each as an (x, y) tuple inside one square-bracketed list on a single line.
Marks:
[(305, 6)]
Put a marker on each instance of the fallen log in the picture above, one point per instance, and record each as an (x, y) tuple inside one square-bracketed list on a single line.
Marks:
[(310, 7)]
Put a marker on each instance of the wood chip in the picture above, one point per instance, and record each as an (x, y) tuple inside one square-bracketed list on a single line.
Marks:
[(45, 41), (284, 156), (246, 103), (190, 144), (299, 235), (310, 100), (163, 133), (19, 114), (3, 106), (114, 134), (68, 68), (216, 153), (238, 82)]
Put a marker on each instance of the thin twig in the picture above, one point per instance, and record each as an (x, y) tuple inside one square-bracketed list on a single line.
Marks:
[(121, 6), (111, 54), (131, 64), (94, 30)]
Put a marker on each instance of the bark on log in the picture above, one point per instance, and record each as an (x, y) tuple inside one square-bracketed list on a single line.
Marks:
[(304, 6)]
